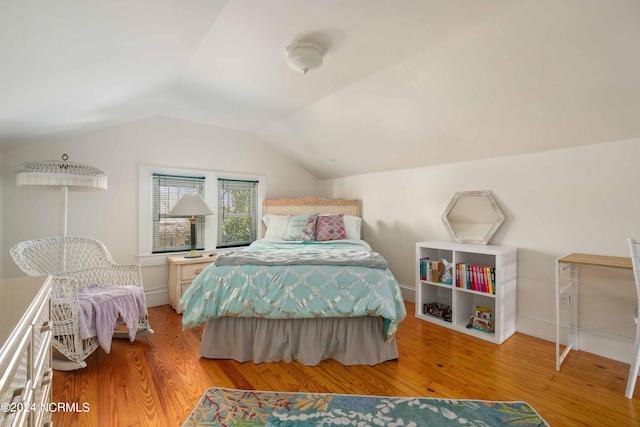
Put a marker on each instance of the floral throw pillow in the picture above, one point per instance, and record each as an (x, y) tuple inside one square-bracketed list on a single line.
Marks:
[(330, 227), (301, 228)]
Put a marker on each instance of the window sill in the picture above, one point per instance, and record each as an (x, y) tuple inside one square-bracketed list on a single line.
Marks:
[(152, 260)]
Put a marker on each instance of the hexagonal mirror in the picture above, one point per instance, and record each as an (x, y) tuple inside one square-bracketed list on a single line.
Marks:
[(472, 217)]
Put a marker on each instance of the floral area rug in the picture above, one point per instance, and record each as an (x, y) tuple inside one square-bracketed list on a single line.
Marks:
[(241, 408)]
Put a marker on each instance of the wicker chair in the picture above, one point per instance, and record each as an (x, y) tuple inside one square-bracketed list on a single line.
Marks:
[(73, 263)]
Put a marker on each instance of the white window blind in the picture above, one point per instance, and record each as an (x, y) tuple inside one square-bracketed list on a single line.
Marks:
[(174, 234), (237, 212)]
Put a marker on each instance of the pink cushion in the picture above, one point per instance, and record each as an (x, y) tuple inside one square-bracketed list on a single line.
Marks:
[(330, 227)]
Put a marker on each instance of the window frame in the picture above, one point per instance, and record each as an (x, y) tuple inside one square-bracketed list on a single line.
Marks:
[(145, 199), (177, 182), (253, 203)]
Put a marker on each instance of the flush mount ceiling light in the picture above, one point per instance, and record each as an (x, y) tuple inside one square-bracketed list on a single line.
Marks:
[(303, 56)]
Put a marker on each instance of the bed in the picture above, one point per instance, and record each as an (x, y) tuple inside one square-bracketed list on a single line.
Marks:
[(310, 290)]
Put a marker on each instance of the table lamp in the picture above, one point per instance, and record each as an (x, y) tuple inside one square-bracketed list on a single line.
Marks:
[(191, 205)]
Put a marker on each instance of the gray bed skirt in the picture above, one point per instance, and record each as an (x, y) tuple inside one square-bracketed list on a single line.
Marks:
[(350, 341)]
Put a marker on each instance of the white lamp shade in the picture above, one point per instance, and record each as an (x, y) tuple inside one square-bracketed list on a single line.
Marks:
[(62, 176), (53, 174), (303, 56), (191, 204)]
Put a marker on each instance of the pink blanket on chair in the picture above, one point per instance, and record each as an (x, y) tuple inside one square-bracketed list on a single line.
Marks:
[(103, 308)]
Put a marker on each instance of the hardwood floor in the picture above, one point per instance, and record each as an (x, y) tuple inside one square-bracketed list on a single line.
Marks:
[(158, 379)]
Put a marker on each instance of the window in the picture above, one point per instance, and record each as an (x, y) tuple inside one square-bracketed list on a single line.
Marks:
[(147, 218), (174, 234), (237, 212)]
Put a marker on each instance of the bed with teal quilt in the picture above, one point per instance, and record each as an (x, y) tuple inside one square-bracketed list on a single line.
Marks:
[(303, 300)]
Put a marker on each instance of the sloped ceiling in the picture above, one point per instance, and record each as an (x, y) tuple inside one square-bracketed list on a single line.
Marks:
[(404, 83)]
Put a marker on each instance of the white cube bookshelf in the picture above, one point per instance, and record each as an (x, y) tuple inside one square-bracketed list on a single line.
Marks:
[(463, 298)]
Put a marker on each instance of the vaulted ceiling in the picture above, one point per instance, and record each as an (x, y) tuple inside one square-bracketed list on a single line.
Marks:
[(404, 83)]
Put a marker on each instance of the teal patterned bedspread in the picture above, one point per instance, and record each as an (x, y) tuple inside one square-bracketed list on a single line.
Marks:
[(295, 291)]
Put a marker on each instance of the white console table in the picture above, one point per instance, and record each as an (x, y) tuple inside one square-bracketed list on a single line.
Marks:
[(571, 288)]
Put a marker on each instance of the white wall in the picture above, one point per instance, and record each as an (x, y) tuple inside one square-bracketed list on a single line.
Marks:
[(2, 251), (582, 199), (112, 216)]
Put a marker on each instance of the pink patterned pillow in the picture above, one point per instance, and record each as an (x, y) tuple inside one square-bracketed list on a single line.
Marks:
[(330, 227)]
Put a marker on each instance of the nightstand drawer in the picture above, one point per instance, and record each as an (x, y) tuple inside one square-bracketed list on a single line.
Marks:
[(182, 271), (189, 272)]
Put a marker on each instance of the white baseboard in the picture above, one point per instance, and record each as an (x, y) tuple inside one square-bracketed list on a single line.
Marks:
[(156, 297), (408, 292), (612, 347)]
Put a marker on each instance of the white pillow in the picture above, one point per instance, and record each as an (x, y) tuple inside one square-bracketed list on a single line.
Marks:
[(276, 226), (352, 225)]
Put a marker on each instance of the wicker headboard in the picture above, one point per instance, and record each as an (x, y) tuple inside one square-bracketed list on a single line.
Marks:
[(311, 204)]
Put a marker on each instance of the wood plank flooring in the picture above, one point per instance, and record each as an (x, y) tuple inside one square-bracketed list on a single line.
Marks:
[(158, 379)]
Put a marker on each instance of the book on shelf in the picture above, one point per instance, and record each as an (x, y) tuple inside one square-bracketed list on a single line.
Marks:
[(480, 278), (432, 270), (423, 268)]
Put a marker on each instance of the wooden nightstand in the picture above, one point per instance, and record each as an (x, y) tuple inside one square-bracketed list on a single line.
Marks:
[(182, 271)]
